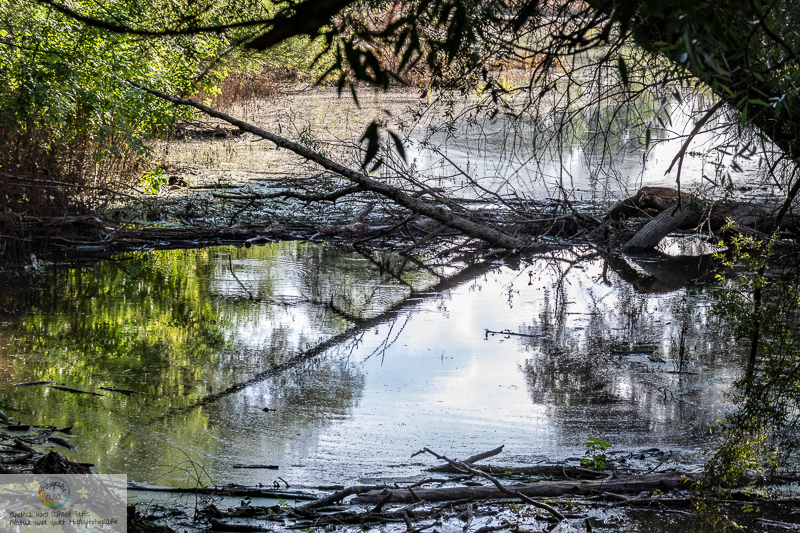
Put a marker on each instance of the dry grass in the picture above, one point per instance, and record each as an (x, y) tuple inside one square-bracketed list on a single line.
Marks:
[(41, 186)]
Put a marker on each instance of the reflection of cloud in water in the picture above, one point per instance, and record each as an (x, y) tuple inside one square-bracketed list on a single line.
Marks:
[(429, 377), (303, 401)]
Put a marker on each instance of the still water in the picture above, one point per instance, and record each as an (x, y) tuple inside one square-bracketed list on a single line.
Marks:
[(207, 339)]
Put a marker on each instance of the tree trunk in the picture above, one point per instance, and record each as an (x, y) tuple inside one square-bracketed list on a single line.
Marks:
[(548, 489), (662, 225), (691, 214), (438, 213)]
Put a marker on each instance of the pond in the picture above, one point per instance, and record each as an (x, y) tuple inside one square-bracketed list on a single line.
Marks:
[(463, 151), (336, 366)]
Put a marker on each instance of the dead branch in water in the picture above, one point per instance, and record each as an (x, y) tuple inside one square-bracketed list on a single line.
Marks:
[(503, 489), (435, 212), (633, 484)]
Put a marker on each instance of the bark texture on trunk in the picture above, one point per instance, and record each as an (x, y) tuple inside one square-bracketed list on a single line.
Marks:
[(619, 485)]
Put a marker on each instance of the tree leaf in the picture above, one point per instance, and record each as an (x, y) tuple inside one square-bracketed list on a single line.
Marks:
[(371, 135), (623, 70), (398, 144)]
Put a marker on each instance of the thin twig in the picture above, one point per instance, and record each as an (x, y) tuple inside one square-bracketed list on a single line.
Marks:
[(502, 488)]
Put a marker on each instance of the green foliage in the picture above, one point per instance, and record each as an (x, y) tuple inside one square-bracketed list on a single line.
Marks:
[(762, 303), (152, 180), (595, 455), (63, 85)]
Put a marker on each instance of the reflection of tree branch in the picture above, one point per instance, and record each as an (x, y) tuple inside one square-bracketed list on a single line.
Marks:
[(423, 266), (230, 268), (342, 313), (384, 268), (386, 343), (468, 273)]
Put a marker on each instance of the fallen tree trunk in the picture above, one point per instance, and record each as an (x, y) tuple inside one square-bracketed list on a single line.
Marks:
[(663, 224), (548, 489), (543, 470), (690, 214), (438, 213)]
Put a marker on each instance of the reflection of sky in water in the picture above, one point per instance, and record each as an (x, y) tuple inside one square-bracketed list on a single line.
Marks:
[(443, 385), (502, 155), (429, 377)]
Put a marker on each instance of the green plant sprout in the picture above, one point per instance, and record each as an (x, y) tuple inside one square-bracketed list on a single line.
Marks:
[(595, 456)]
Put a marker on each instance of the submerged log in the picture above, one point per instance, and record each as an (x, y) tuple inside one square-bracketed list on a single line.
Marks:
[(547, 489)]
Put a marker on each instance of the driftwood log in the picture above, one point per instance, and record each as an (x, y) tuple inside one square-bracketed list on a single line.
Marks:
[(545, 489)]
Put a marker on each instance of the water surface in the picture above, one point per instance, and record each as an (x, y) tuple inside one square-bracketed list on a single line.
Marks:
[(210, 338)]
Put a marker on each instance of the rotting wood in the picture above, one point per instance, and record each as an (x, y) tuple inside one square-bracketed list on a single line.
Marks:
[(310, 197), (16, 460), (647, 200), (356, 226), (232, 490), (499, 486), (775, 523), (435, 212), (690, 213), (552, 471), (511, 333), (659, 227), (340, 495), (218, 525), (545, 489), (61, 442)]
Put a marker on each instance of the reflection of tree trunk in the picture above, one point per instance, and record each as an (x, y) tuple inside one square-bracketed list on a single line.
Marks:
[(755, 335), (658, 272), (470, 272)]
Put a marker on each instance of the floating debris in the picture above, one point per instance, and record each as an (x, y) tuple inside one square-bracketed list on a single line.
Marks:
[(121, 391), (74, 391), (60, 442)]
